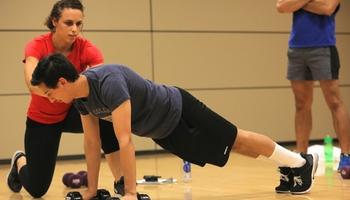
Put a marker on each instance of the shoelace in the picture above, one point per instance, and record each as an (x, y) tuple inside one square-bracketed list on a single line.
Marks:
[(284, 177), (298, 181)]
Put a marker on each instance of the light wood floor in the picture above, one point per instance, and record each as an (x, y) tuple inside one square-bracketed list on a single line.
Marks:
[(241, 178)]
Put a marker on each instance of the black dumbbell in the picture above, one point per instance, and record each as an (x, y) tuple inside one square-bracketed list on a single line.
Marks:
[(73, 196), (139, 197), (119, 188), (143, 197), (151, 178), (101, 194)]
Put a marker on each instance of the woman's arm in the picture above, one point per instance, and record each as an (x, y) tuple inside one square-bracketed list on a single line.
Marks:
[(29, 67), (122, 127)]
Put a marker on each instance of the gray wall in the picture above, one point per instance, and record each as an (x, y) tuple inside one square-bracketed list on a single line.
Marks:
[(229, 53)]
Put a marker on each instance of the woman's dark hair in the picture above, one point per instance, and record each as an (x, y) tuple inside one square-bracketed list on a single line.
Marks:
[(51, 68), (57, 11)]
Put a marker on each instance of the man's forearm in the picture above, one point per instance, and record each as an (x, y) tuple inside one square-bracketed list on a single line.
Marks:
[(128, 163), (289, 6), (92, 148), (93, 157), (322, 7)]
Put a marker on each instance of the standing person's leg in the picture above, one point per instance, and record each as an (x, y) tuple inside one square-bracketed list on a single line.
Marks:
[(303, 96), (325, 65), (340, 115), (300, 75), (36, 168), (339, 112)]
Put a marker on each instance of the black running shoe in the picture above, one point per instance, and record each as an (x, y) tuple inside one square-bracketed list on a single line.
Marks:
[(13, 181), (304, 176), (286, 180), (119, 187)]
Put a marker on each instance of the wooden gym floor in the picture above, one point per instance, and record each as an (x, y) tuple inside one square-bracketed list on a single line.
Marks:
[(241, 178)]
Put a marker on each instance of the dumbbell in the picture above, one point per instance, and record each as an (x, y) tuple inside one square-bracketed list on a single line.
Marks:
[(139, 197), (119, 186), (143, 197), (74, 196), (83, 175), (75, 180), (72, 180), (101, 194)]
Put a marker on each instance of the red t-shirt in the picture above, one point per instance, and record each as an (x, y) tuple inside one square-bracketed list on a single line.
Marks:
[(83, 54)]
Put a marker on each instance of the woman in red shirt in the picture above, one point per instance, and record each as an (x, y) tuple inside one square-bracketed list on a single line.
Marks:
[(46, 120)]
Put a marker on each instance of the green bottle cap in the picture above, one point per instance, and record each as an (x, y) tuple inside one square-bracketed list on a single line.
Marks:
[(328, 139)]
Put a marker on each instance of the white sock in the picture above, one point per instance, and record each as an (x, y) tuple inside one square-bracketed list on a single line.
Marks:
[(286, 158)]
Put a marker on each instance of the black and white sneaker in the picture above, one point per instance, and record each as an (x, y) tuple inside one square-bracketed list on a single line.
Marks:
[(13, 181), (286, 180), (304, 176), (119, 187)]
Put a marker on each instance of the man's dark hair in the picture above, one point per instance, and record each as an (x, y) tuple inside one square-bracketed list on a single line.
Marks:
[(53, 67), (57, 11)]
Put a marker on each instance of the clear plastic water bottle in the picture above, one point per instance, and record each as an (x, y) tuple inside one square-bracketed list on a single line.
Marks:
[(328, 148), (187, 192), (186, 168)]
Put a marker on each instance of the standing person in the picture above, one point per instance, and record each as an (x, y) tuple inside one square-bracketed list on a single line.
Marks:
[(313, 56), (171, 116), (46, 120)]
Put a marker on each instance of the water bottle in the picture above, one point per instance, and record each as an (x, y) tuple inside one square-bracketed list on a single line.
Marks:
[(188, 193), (186, 168), (328, 148)]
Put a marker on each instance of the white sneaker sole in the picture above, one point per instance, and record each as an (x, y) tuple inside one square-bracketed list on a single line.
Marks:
[(314, 168)]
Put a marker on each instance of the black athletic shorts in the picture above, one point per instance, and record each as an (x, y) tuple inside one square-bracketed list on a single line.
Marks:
[(201, 136)]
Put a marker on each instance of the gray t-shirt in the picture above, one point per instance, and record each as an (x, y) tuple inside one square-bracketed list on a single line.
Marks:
[(155, 109)]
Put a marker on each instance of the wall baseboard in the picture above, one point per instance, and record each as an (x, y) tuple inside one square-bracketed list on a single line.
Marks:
[(82, 156)]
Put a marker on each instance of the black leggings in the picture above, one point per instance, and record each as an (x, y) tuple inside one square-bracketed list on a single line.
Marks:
[(41, 148)]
